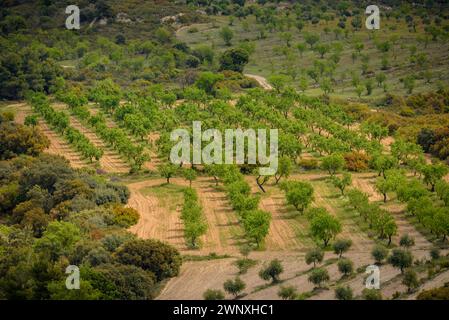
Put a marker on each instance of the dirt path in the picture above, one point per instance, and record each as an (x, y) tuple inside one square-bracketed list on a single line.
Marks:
[(365, 183), (261, 80), (350, 229), (284, 229), (224, 232)]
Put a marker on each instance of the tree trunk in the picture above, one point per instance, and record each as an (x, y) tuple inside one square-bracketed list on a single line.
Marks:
[(260, 184), (385, 198), (277, 178)]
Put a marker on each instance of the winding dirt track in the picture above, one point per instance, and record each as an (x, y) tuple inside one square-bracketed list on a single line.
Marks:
[(261, 80)]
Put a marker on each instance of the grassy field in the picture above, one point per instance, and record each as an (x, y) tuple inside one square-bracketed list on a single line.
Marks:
[(272, 56)]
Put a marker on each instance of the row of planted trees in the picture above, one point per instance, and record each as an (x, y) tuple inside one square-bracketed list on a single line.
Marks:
[(60, 122), (114, 137), (255, 222), (193, 218)]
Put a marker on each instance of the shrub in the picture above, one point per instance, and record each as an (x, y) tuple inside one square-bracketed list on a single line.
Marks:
[(125, 217), (435, 253), (379, 253), (356, 161), (345, 266), (371, 294), (211, 294), (318, 276), (152, 255), (308, 164), (287, 293), (441, 293), (344, 293)]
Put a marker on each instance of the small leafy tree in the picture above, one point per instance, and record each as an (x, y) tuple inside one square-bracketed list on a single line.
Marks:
[(257, 224), (357, 199), (167, 171), (226, 34), (314, 256), (284, 168), (401, 259), (434, 173), (299, 195), (343, 182), (272, 271), (409, 83), (190, 175), (341, 246), (234, 287), (406, 241), (318, 276), (345, 266), (379, 253), (311, 39), (333, 163), (325, 227), (410, 280), (383, 186)]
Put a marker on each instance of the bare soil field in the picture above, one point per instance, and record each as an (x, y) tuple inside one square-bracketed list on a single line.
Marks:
[(160, 218), (156, 221), (199, 276), (286, 230)]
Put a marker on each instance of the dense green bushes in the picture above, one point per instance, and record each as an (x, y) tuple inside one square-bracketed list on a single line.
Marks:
[(18, 139), (55, 217)]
